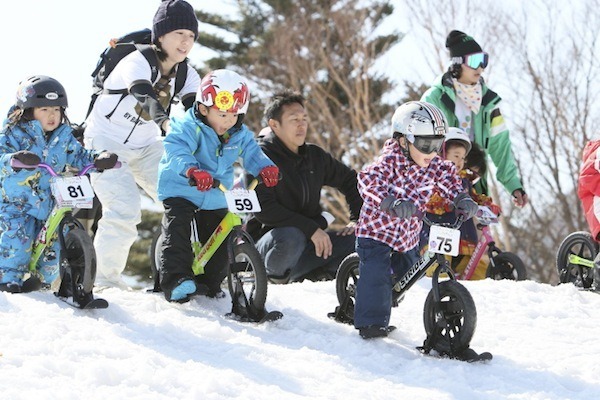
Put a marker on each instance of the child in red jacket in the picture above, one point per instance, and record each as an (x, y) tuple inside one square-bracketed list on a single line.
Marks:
[(589, 193)]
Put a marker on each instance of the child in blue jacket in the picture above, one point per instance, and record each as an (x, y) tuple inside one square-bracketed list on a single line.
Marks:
[(36, 130), (200, 147)]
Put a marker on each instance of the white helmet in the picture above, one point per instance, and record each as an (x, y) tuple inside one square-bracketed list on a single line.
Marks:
[(422, 124), (460, 135), (225, 90), (418, 118)]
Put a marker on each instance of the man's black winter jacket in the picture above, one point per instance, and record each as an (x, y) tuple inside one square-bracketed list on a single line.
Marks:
[(295, 201)]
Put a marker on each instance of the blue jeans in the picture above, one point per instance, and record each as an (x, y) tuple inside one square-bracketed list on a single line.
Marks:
[(287, 249), (374, 292)]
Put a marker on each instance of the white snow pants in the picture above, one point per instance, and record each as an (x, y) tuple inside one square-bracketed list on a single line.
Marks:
[(117, 190)]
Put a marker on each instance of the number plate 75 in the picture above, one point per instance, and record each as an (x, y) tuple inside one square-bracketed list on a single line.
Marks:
[(444, 240)]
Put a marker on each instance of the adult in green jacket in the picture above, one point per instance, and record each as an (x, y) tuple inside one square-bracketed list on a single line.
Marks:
[(468, 103)]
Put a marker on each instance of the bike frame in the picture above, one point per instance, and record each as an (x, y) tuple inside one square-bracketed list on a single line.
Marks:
[(203, 253), (485, 241), (230, 223), (55, 223), (580, 261), (58, 219), (419, 268)]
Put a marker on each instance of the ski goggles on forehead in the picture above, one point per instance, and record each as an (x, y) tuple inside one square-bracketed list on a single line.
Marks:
[(427, 144), (476, 60)]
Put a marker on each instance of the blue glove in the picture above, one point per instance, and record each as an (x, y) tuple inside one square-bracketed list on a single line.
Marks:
[(398, 208), (465, 206)]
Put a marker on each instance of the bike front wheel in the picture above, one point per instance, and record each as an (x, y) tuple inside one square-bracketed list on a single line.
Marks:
[(247, 277), (580, 244), (81, 256), (450, 324), (507, 266)]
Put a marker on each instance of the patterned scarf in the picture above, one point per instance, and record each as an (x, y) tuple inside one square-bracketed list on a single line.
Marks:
[(469, 94)]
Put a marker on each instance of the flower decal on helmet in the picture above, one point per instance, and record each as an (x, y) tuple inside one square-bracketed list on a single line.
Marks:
[(224, 101), (224, 90)]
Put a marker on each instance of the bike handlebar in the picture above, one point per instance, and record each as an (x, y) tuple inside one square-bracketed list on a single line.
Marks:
[(18, 164), (217, 184), (453, 225)]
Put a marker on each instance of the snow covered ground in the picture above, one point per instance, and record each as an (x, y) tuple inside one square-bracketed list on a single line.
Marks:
[(544, 341)]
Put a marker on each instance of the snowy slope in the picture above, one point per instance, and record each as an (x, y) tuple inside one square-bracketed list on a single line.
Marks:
[(141, 347)]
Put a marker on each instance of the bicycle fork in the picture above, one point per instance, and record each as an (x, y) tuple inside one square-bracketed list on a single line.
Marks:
[(241, 304)]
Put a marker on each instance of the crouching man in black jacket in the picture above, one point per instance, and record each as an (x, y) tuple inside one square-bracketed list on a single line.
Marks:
[(291, 226)]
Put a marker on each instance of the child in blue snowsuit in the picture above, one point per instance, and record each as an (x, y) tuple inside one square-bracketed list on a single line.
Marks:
[(36, 130), (203, 145)]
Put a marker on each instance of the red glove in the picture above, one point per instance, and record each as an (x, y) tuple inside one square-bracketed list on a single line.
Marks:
[(201, 179), (270, 175)]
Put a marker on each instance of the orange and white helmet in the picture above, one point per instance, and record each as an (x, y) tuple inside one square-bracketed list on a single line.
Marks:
[(224, 90)]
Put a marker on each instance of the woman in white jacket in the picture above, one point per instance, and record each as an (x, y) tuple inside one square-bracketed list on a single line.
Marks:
[(130, 125)]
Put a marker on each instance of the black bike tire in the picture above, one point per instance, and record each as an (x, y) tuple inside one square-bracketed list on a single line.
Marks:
[(463, 320), (518, 270), (588, 248), (155, 252), (257, 294), (82, 258), (346, 278)]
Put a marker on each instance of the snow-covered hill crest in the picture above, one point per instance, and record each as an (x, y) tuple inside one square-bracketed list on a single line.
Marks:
[(141, 347)]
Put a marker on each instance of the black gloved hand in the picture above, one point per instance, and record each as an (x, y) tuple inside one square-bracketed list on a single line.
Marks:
[(28, 158), (105, 160), (398, 208), (465, 206)]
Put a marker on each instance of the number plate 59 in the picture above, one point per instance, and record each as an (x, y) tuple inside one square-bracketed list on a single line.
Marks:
[(444, 240), (242, 201)]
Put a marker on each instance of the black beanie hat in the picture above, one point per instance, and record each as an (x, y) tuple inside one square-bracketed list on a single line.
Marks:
[(172, 15), (460, 44)]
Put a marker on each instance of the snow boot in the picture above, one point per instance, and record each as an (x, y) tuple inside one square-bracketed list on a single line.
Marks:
[(375, 331), (181, 293)]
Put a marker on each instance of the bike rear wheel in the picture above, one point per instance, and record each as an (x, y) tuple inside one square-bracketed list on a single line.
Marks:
[(582, 245), (81, 256), (247, 277), (346, 282), (155, 254), (507, 266), (450, 324), (346, 279)]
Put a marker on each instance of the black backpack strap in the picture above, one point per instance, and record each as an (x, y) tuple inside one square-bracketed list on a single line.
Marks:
[(148, 53), (180, 77), (150, 56)]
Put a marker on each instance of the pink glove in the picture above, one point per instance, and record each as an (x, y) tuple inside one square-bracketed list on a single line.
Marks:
[(270, 175), (201, 179)]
